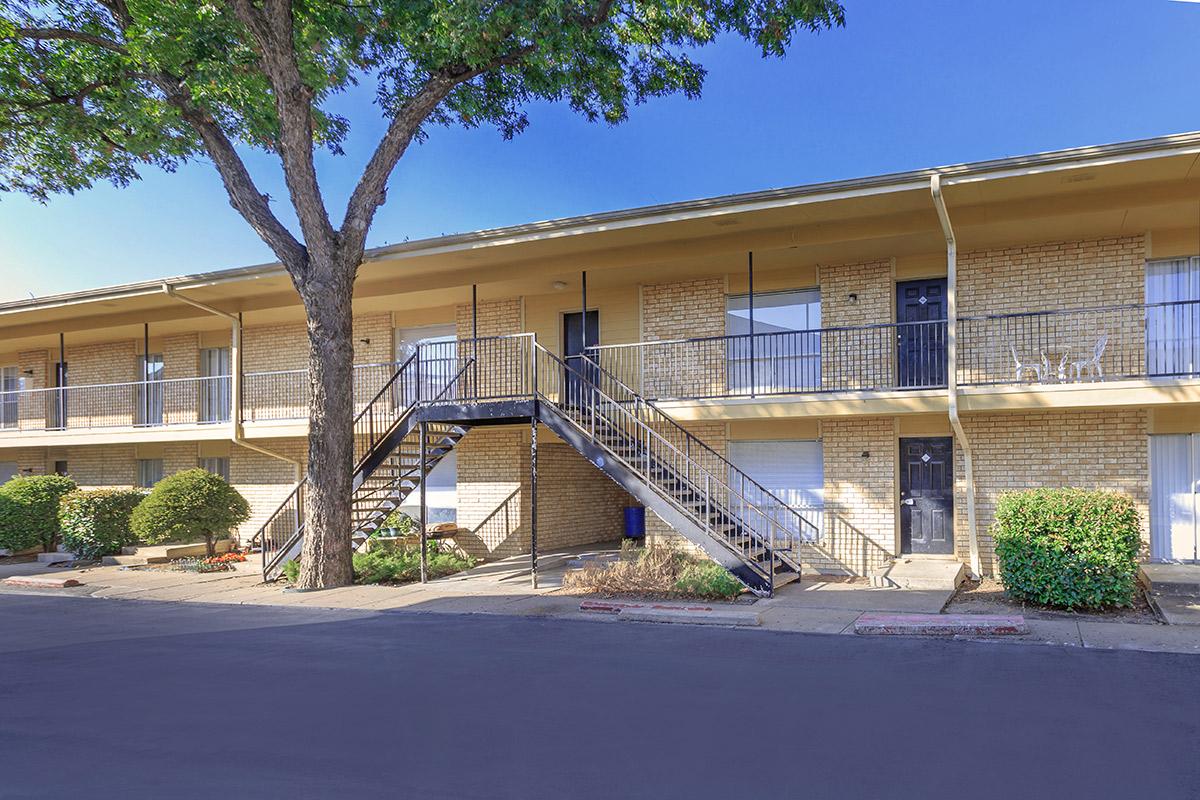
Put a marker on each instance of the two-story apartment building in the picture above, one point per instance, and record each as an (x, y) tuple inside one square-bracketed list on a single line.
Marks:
[(838, 373)]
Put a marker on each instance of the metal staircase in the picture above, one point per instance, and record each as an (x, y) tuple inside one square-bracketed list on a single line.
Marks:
[(708, 500)]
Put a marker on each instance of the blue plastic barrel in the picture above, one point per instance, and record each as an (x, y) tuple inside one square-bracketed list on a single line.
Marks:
[(635, 522)]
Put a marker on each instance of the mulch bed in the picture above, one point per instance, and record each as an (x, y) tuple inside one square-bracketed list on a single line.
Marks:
[(987, 597)]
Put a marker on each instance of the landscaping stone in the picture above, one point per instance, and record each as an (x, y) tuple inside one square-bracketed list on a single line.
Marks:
[(55, 558), (940, 625), (41, 581)]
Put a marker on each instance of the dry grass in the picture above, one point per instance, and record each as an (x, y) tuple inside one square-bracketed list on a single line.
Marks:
[(654, 570)]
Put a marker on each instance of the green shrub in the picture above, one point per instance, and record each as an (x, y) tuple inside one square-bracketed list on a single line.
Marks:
[(96, 523), (291, 570), (1068, 547), (707, 579), (401, 564), (189, 506), (398, 520), (29, 517)]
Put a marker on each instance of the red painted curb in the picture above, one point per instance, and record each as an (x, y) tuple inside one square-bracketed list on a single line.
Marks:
[(41, 582)]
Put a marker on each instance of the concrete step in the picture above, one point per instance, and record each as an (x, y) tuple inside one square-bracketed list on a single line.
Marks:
[(162, 553), (124, 561), (1178, 580), (921, 573), (55, 558)]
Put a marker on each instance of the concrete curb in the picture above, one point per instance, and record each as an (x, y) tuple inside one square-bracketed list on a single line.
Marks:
[(41, 581), (691, 616), (617, 606), (940, 625)]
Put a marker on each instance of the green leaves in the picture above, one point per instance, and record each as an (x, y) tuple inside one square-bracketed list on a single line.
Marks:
[(95, 523), (85, 84), (188, 506), (1069, 548), (29, 511)]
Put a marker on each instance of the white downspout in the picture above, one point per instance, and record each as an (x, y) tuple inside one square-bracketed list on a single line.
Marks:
[(235, 358), (939, 202)]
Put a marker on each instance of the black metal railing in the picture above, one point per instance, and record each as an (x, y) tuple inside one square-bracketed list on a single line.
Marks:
[(1082, 345), (908, 355)]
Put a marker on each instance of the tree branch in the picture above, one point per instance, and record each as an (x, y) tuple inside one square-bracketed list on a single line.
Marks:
[(371, 191), (43, 34), (272, 29)]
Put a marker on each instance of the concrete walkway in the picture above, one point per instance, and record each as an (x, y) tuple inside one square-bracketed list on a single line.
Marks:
[(502, 587)]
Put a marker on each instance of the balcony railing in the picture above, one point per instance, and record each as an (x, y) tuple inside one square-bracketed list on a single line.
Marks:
[(909, 355), (284, 394), (1084, 345)]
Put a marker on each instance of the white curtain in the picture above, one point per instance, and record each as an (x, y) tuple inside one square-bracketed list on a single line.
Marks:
[(215, 392), (1174, 469), (1173, 331)]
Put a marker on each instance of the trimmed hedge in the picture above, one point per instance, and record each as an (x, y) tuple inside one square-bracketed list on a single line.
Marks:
[(1070, 548), (96, 523), (189, 506), (29, 515)]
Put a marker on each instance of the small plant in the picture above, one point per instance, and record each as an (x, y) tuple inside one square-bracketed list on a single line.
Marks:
[(95, 523), (403, 564), (707, 579), (29, 512), (189, 506), (1069, 548), (291, 570), (399, 521)]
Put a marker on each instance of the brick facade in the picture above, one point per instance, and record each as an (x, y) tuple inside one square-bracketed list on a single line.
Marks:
[(860, 456), (686, 310), (1092, 449)]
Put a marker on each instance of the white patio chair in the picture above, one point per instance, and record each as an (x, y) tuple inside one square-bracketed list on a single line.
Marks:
[(1038, 370), (1092, 365)]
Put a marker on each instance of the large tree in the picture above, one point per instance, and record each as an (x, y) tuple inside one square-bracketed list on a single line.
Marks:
[(93, 90)]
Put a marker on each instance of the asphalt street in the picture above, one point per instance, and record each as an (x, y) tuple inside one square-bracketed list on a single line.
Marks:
[(107, 698)]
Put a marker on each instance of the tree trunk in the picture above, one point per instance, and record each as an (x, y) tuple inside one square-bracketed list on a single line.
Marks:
[(210, 545), (325, 558)]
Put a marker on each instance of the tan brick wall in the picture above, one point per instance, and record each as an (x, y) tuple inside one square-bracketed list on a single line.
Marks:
[(852, 360), (1050, 276), (1093, 449), (493, 375), (264, 481), (181, 360), (860, 515), (685, 310), (34, 410), (577, 504)]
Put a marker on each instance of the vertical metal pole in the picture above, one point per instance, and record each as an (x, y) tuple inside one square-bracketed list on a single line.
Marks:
[(750, 277), (475, 340), (423, 433), (583, 317), (146, 373), (61, 380), (533, 476)]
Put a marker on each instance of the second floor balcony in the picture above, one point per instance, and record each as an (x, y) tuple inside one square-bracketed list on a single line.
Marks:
[(1128, 345), (1099, 345)]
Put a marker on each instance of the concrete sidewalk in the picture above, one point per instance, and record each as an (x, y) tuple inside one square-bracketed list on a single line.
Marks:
[(502, 588)]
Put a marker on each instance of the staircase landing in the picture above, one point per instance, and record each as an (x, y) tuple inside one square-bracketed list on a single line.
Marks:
[(921, 573)]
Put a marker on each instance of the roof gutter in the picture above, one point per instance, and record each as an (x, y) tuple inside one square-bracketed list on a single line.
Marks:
[(235, 357), (1122, 152), (939, 203)]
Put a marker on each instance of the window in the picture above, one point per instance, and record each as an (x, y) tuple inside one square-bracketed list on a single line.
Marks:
[(216, 388), (441, 493), (439, 357), (784, 354), (150, 472), (218, 466), (10, 386), (8, 471), (150, 391), (60, 468), (1173, 317), (792, 470)]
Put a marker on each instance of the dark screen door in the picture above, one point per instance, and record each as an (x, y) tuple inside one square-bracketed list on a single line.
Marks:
[(921, 333), (927, 495), (573, 346)]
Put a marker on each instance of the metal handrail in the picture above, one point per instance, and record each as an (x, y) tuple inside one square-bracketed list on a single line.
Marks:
[(809, 331), (700, 442), (1092, 309)]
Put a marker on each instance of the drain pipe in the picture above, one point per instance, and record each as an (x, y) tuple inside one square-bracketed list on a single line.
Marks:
[(235, 358), (939, 202)]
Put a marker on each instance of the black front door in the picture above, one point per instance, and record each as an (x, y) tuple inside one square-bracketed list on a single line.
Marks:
[(927, 495), (921, 333), (574, 343)]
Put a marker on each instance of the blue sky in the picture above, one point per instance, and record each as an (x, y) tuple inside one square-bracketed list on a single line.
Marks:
[(904, 85)]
